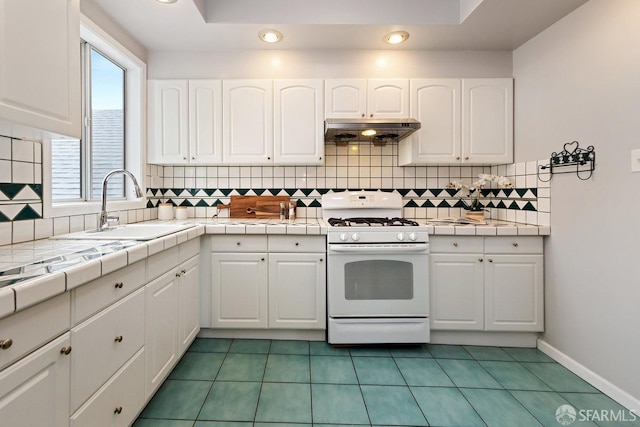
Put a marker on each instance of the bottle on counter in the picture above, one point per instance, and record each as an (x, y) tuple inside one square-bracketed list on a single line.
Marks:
[(283, 211), (292, 211)]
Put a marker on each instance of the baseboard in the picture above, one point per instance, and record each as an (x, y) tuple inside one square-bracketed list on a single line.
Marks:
[(496, 338), (271, 334), (605, 386)]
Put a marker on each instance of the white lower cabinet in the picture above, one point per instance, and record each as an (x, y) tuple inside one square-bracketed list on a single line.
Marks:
[(487, 283), (297, 296), (118, 402), (103, 344), (35, 390), (275, 282), (172, 320)]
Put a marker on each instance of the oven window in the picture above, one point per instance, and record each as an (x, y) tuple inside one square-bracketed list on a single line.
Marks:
[(378, 280)]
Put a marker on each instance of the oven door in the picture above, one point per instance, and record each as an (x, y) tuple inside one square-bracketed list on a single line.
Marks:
[(378, 280)]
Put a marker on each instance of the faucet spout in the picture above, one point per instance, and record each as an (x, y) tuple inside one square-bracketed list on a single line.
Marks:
[(104, 218)]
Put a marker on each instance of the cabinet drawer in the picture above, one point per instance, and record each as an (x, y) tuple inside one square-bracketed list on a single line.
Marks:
[(189, 249), (162, 262), (297, 244), (513, 245), (89, 299), (239, 243), (102, 344), (117, 402), (455, 244), (30, 328)]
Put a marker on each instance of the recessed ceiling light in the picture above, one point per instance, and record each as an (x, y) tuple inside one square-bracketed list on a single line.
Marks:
[(167, 1), (396, 37), (270, 36)]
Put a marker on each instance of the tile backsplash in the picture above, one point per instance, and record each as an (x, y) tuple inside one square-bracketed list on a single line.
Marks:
[(424, 189)]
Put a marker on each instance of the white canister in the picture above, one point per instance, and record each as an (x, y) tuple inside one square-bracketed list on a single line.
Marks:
[(181, 212), (165, 211)]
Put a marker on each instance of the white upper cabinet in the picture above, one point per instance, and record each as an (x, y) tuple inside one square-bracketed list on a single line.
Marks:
[(248, 121), (487, 121), (360, 98), (185, 121), (298, 121), (435, 103), (464, 121), (205, 121), (40, 65)]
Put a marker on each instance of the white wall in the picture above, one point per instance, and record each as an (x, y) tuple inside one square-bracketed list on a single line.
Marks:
[(580, 80), (328, 64)]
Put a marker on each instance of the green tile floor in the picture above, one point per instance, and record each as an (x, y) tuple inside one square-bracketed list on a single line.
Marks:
[(269, 383)]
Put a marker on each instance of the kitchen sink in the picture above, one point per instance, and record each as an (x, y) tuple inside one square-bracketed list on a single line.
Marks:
[(128, 232)]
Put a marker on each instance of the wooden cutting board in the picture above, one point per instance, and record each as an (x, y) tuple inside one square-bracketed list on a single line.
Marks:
[(257, 206)]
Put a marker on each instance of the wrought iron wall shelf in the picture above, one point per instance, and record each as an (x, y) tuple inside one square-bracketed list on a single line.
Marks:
[(582, 162)]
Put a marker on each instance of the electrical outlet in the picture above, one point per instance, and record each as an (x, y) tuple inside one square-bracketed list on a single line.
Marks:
[(635, 160)]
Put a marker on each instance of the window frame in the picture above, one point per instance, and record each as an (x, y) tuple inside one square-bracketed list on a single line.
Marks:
[(135, 129)]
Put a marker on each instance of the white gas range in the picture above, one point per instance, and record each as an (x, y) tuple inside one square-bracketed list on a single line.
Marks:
[(378, 270)]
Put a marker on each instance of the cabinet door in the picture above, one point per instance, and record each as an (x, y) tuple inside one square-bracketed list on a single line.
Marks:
[(168, 139), (487, 121), (205, 121), (247, 121), (388, 98), (189, 303), (297, 291), (161, 329), (239, 290), (456, 291), (435, 103), (298, 122), (514, 293), (345, 98), (35, 390), (40, 64)]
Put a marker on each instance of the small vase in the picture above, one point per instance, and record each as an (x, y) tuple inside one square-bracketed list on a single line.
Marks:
[(476, 216)]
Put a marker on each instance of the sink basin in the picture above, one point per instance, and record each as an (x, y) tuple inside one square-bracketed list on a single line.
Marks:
[(128, 232)]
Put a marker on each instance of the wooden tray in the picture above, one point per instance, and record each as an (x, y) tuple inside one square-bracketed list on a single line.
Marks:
[(266, 207)]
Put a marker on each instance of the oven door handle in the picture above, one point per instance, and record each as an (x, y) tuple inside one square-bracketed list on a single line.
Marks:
[(371, 249)]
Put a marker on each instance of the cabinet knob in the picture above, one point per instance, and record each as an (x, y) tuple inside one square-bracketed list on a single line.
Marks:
[(466, 158), (178, 274), (515, 244), (65, 350), (321, 259), (455, 244), (490, 260), (193, 157), (371, 115), (6, 344), (237, 243), (362, 114), (118, 410), (184, 158), (320, 157), (480, 259), (118, 338), (268, 158), (297, 244), (261, 259), (458, 158), (119, 285)]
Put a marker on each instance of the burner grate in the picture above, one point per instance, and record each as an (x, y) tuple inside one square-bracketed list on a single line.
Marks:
[(371, 221)]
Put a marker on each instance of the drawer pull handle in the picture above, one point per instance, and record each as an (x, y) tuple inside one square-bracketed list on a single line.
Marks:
[(118, 410), (119, 285), (118, 338), (515, 244), (455, 244), (65, 350), (6, 344)]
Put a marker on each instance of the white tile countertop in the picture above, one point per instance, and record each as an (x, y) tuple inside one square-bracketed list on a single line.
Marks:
[(77, 262)]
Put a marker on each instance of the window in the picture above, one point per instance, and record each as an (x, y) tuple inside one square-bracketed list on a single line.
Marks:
[(114, 94), (78, 166)]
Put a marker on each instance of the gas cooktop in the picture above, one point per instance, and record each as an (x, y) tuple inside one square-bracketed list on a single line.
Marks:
[(371, 221)]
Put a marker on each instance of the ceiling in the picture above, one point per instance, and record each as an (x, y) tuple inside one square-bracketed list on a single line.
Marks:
[(211, 25)]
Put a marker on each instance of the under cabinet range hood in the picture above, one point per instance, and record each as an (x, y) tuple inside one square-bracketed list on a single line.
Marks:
[(375, 131)]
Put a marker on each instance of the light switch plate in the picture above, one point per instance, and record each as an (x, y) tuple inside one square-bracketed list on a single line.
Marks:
[(635, 160)]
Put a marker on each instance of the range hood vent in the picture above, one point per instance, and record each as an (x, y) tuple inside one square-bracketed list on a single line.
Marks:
[(377, 132)]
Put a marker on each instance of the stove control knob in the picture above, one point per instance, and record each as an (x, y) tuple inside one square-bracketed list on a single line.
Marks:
[(344, 237), (413, 237), (400, 236), (355, 237)]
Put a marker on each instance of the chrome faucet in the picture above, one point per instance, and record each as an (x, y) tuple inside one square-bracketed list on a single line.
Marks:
[(104, 218)]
